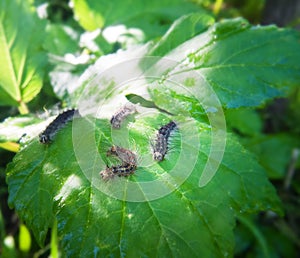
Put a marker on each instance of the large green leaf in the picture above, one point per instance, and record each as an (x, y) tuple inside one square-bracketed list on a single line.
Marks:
[(244, 65), (153, 17), (47, 181), (22, 59)]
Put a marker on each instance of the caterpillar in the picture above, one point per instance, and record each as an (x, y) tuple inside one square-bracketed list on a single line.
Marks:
[(160, 147), (121, 114), (119, 170), (127, 156), (59, 122), (129, 163)]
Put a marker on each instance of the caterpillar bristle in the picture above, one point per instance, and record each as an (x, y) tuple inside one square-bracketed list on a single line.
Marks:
[(118, 118), (57, 124), (160, 146)]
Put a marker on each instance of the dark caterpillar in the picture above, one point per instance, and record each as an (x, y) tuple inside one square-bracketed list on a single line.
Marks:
[(120, 115), (59, 122), (160, 147), (127, 156), (119, 170), (129, 163)]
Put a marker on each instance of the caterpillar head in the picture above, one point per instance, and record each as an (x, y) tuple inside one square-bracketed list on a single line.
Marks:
[(44, 139), (107, 174), (158, 156)]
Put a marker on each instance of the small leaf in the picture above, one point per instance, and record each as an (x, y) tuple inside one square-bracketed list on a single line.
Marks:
[(136, 99), (22, 60)]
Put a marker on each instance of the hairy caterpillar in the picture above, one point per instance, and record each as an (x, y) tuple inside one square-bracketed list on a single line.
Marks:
[(121, 114), (127, 156), (160, 147), (119, 170), (129, 163), (59, 122)]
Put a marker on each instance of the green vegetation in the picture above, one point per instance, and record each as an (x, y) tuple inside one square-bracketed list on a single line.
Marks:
[(228, 185)]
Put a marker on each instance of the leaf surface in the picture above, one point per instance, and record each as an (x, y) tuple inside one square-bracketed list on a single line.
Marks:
[(190, 220), (244, 65), (13, 128)]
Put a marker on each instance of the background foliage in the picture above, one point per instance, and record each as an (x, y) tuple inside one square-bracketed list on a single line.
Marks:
[(253, 69)]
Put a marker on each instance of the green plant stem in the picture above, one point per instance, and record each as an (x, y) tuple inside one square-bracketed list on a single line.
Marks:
[(23, 109), (217, 7), (54, 241), (41, 251), (10, 146), (257, 234)]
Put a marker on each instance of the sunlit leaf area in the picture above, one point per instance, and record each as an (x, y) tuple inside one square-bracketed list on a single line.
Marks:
[(163, 128)]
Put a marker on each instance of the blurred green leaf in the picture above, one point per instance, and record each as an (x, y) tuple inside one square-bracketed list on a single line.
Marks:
[(253, 233), (2, 227), (22, 59), (61, 39), (153, 17), (246, 121), (259, 237), (104, 46), (274, 152), (24, 239), (293, 116), (251, 9)]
